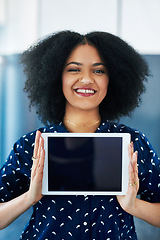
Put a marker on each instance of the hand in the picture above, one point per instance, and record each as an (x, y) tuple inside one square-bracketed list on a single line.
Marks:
[(128, 201), (35, 190)]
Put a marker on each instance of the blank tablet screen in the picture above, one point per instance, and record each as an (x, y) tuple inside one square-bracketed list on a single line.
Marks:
[(85, 163)]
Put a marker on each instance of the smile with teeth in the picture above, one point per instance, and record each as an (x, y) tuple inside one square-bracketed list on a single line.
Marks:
[(85, 92)]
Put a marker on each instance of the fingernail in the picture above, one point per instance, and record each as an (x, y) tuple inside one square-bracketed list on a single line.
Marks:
[(131, 164), (131, 144), (136, 152)]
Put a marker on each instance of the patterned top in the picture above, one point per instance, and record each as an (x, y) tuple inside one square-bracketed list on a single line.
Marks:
[(79, 217)]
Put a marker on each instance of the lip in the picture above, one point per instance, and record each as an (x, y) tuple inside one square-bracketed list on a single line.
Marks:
[(85, 91)]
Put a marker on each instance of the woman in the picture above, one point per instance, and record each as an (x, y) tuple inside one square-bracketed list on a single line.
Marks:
[(81, 84)]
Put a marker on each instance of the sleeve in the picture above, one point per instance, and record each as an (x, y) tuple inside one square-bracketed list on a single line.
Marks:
[(148, 169), (15, 173)]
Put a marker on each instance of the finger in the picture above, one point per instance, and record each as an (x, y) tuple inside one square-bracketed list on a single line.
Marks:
[(130, 150), (36, 146), (41, 160), (134, 161), (131, 175), (135, 167), (35, 153), (41, 145), (130, 167), (134, 164)]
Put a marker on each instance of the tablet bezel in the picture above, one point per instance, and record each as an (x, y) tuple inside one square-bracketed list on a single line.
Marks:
[(126, 138)]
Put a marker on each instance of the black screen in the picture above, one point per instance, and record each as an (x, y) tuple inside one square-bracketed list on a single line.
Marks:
[(84, 163)]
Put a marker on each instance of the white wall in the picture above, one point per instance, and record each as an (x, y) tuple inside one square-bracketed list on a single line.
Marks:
[(23, 21), (19, 28), (82, 16), (141, 24)]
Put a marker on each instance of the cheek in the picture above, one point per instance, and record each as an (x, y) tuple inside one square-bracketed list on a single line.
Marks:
[(104, 86), (67, 87), (64, 85)]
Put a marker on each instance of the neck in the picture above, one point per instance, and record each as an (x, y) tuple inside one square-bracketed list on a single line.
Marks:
[(82, 121)]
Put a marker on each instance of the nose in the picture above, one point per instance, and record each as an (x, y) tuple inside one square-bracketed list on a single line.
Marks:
[(86, 80)]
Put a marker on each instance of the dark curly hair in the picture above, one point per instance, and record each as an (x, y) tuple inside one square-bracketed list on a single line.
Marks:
[(44, 63)]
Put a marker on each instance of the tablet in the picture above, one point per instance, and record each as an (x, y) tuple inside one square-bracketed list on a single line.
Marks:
[(85, 163)]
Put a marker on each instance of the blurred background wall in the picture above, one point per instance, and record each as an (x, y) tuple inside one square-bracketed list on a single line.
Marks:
[(22, 22)]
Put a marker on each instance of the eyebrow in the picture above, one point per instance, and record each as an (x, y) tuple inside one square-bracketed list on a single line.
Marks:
[(98, 64), (80, 64), (76, 63)]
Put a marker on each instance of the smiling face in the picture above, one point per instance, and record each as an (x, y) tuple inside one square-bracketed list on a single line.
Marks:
[(84, 79)]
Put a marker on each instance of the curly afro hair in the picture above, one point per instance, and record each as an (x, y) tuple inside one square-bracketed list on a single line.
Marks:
[(44, 63)]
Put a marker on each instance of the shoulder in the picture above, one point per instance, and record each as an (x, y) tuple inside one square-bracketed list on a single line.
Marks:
[(113, 127), (141, 142), (55, 128), (29, 138)]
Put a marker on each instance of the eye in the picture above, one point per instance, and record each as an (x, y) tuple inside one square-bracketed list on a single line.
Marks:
[(99, 71), (73, 70)]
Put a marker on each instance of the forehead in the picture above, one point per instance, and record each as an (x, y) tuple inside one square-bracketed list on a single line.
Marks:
[(84, 53)]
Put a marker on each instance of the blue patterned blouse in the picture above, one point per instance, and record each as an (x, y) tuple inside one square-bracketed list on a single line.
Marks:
[(79, 217)]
